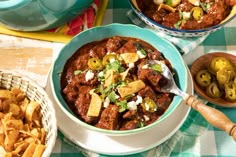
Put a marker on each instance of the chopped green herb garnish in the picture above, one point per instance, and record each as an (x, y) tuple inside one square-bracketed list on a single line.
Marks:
[(143, 52), (116, 66), (122, 105), (209, 5), (101, 79), (109, 88), (76, 72), (129, 96), (180, 14), (168, 2), (137, 46), (112, 97), (177, 24), (156, 67), (205, 6), (140, 124)]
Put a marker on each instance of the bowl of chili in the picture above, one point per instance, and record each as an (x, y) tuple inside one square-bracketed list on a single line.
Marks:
[(102, 81), (185, 18)]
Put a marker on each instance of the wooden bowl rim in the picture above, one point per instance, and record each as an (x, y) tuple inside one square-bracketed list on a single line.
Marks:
[(220, 101)]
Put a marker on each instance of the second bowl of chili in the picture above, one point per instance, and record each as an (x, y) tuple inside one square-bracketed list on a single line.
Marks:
[(185, 18)]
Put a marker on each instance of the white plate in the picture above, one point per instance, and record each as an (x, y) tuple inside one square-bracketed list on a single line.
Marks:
[(122, 145)]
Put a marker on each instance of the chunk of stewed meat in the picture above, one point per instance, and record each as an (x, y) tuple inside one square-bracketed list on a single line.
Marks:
[(153, 78), (97, 52), (129, 114), (155, 55), (82, 103), (109, 118), (81, 79), (129, 125), (128, 47), (148, 92), (113, 44)]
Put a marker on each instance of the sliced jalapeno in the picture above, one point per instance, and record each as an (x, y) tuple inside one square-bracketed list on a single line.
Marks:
[(149, 105), (213, 90), (230, 91), (203, 78), (225, 75), (218, 63), (95, 64), (197, 13), (106, 59)]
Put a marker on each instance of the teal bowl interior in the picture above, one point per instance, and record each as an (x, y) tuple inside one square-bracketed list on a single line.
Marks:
[(37, 15), (99, 33)]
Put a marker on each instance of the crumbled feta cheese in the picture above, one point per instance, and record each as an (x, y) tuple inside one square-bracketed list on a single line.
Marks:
[(146, 118), (157, 2), (101, 74), (112, 60), (91, 91), (89, 75), (139, 99), (106, 102), (146, 107), (197, 3), (145, 66), (140, 54), (131, 65), (132, 105), (200, 20), (117, 96), (186, 15)]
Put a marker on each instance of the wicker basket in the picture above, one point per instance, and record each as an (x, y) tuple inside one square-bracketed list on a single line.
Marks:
[(10, 79)]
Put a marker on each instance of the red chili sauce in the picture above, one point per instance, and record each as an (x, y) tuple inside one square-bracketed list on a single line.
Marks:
[(186, 14), (126, 60)]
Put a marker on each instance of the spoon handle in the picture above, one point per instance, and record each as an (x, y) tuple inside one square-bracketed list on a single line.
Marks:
[(213, 116)]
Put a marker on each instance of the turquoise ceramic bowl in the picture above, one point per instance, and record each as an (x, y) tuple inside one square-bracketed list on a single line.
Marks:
[(99, 33), (36, 15)]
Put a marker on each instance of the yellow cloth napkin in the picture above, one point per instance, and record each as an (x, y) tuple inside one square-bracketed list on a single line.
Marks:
[(52, 36)]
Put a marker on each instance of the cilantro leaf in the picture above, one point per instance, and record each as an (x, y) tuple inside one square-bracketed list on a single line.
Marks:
[(156, 67), (143, 52), (116, 66), (205, 6), (112, 97), (180, 14), (177, 24), (76, 72), (168, 2), (122, 105), (140, 124)]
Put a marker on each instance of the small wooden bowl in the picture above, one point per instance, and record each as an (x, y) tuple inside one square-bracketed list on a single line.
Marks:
[(202, 63)]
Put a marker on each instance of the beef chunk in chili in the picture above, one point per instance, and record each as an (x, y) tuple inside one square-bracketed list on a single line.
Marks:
[(109, 118)]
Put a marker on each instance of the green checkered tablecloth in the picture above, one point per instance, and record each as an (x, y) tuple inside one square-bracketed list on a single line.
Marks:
[(195, 137)]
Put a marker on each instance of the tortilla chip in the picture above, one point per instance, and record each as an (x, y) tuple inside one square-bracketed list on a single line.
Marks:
[(39, 150), (95, 105), (29, 150), (131, 88)]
